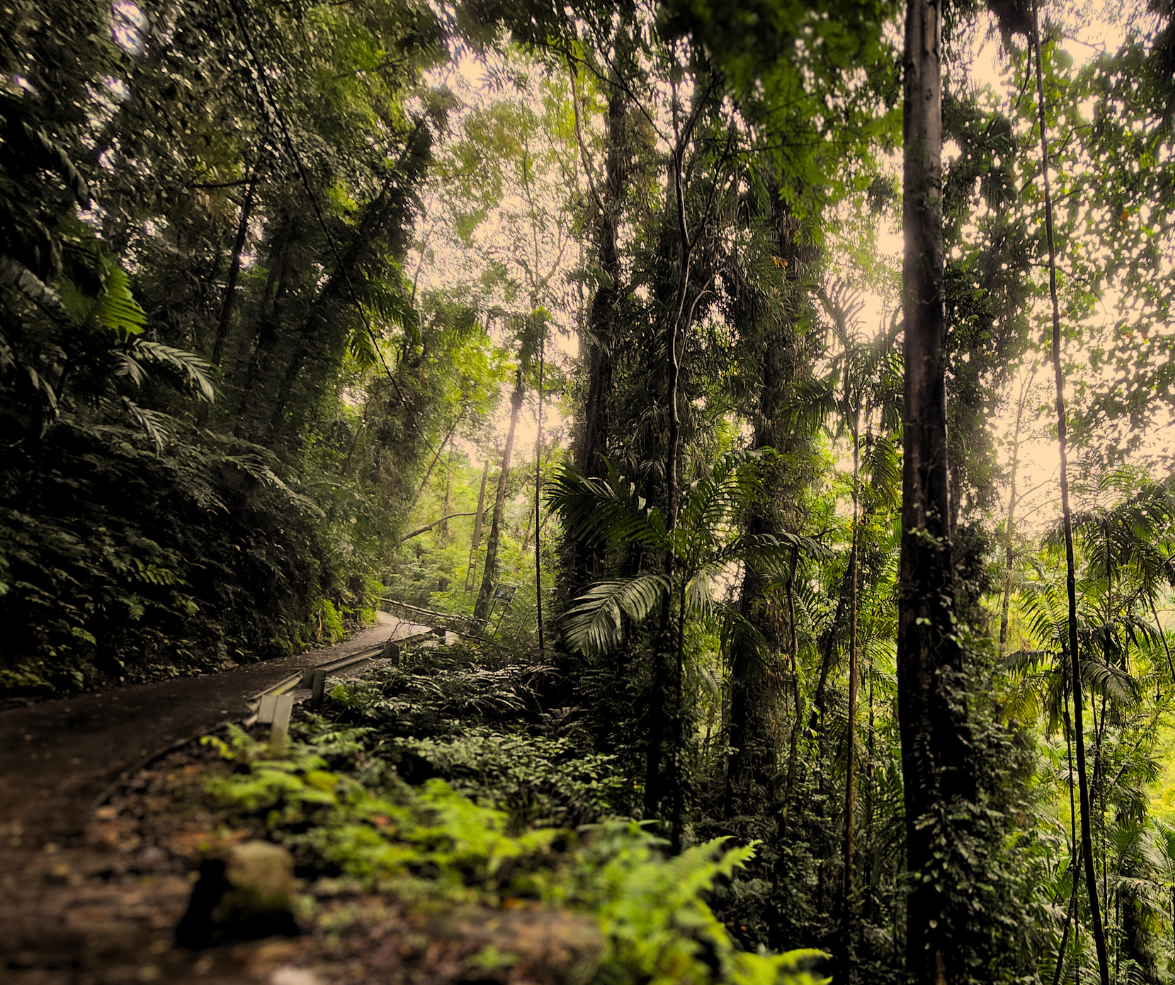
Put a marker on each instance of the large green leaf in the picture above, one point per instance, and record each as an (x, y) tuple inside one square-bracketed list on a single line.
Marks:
[(604, 509), (596, 621)]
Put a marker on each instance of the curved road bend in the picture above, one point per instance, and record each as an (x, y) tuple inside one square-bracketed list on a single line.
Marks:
[(56, 757)]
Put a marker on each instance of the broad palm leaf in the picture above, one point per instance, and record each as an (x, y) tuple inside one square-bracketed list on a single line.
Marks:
[(704, 543)]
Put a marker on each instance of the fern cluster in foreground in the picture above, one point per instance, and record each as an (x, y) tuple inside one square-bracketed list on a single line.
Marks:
[(430, 846)]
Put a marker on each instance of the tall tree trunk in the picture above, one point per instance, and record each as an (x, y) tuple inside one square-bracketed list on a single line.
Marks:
[(254, 384), (793, 652), (598, 334), (475, 542), (482, 608), (538, 500), (443, 532), (1095, 915), (851, 736), (1009, 527), (752, 765), (436, 458), (234, 271), (932, 725), (593, 440)]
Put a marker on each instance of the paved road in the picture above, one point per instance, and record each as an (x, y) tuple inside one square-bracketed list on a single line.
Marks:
[(74, 911), (56, 757)]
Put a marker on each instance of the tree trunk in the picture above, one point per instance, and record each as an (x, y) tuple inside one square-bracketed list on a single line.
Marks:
[(753, 763), (1095, 915), (538, 500), (932, 725), (593, 440), (592, 443), (475, 543), (1009, 530), (481, 610), (793, 652), (443, 532), (851, 736), (234, 271)]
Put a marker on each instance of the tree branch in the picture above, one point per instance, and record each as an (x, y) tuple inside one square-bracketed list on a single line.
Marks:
[(427, 527)]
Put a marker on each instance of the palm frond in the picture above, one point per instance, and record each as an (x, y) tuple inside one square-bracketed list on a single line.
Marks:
[(52, 156), (152, 422), (596, 621), (193, 372), (254, 465), (594, 509), (117, 309), (809, 404), (18, 277), (882, 463)]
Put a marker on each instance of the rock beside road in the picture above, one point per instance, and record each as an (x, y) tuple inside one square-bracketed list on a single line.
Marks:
[(247, 894)]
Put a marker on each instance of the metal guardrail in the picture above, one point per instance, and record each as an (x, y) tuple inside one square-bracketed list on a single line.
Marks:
[(274, 705), (431, 617)]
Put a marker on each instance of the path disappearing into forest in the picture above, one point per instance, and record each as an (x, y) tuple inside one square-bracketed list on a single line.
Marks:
[(58, 757)]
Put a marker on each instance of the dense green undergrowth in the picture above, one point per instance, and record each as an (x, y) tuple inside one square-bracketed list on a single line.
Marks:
[(452, 780), (120, 562), (345, 813)]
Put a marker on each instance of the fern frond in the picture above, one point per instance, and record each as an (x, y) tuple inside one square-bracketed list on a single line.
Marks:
[(117, 309), (152, 422), (594, 509), (53, 157)]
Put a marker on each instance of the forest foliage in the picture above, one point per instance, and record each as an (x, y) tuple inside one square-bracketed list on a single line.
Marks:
[(584, 327)]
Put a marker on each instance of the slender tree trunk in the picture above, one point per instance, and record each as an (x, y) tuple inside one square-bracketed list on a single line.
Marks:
[(234, 271), (443, 533), (482, 608), (1009, 527), (930, 698), (1095, 915), (475, 543), (851, 756), (538, 500), (793, 652), (435, 458), (254, 384)]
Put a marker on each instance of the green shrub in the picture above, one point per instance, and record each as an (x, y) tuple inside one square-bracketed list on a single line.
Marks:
[(432, 845)]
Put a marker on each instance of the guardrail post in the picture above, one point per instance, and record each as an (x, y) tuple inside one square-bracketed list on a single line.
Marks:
[(318, 688), (280, 731)]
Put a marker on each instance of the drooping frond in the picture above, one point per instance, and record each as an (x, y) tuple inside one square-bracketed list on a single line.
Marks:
[(152, 422), (253, 464), (713, 503), (596, 621), (187, 368), (50, 155), (882, 464), (1115, 684), (594, 509), (809, 404), (19, 278)]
